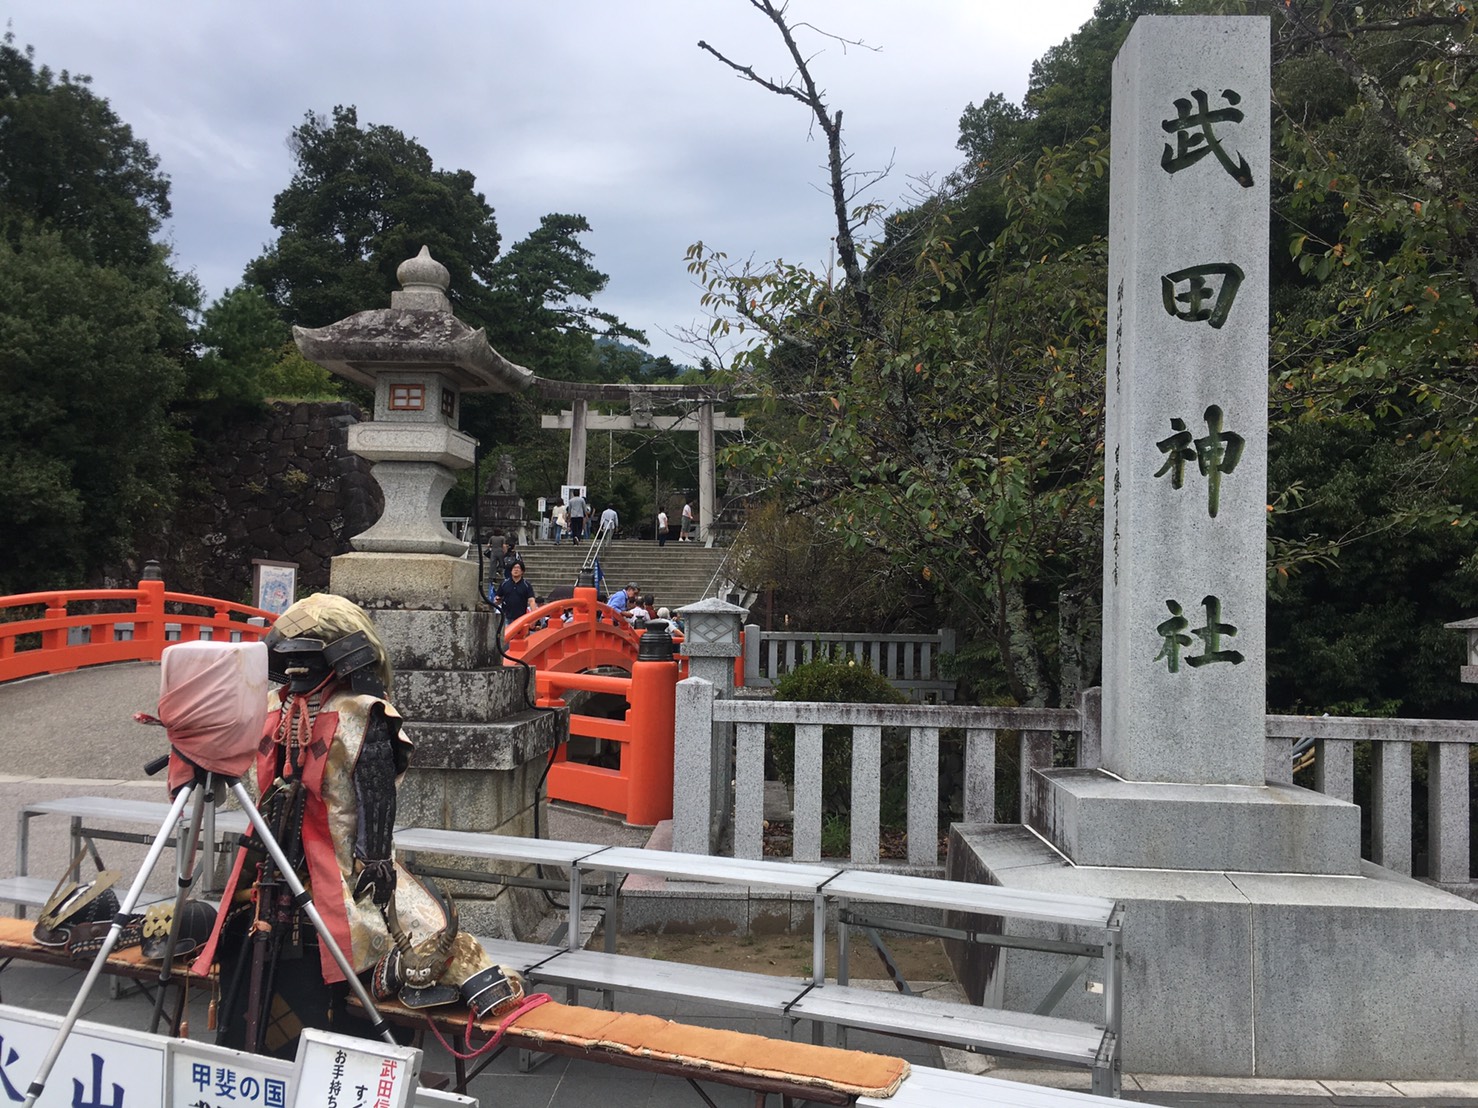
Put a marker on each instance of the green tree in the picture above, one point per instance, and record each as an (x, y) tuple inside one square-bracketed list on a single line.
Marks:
[(541, 294), (87, 372), (242, 338), (68, 164), (947, 411), (363, 200), (95, 339)]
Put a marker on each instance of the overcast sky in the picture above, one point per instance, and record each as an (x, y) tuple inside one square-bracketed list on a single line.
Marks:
[(602, 107)]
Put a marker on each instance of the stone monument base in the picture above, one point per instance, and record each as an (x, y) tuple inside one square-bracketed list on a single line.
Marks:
[(1097, 819), (376, 580), (1370, 976)]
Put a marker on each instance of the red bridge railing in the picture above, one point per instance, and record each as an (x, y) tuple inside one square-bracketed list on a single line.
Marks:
[(63, 630), (564, 640)]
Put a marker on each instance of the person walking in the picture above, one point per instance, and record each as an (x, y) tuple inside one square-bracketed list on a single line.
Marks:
[(661, 527), (561, 521), (514, 596), (609, 521), (577, 517)]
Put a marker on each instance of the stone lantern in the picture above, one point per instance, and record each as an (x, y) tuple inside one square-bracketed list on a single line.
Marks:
[(419, 358), (705, 762), (711, 631), (1469, 672)]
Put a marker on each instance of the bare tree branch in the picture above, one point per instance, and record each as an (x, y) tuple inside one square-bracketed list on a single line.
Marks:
[(831, 126)]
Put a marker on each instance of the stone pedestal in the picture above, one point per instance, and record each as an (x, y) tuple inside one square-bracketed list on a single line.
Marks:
[(432, 582), (1097, 820), (1361, 977)]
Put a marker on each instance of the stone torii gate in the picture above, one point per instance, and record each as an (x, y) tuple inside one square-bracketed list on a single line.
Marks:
[(579, 422)]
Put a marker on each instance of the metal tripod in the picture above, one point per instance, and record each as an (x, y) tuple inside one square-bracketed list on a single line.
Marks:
[(198, 790)]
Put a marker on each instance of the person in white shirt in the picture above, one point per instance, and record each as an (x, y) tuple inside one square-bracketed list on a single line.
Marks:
[(661, 527), (609, 521), (685, 532)]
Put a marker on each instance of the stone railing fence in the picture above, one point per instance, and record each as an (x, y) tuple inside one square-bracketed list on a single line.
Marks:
[(1449, 744), (707, 760), (909, 662)]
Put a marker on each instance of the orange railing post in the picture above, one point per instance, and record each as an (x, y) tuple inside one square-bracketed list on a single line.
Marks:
[(148, 630), (647, 759)]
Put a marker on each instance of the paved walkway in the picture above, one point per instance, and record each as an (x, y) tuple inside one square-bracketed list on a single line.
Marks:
[(73, 735)]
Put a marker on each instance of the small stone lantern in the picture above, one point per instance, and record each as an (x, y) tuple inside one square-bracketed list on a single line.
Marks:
[(1469, 672), (711, 640)]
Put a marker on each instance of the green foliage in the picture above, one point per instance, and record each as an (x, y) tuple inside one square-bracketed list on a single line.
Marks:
[(241, 336), (363, 200), (1364, 624), (293, 377), (814, 579), (961, 431), (1379, 182), (87, 371), (838, 680), (94, 334), (69, 165), (943, 406), (540, 295)]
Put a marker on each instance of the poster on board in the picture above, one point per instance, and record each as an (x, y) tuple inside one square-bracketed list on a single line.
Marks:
[(339, 1071), (274, 584)]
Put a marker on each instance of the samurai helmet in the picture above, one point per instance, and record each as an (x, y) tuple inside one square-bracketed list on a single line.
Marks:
[(71, 905), (325, 633), (197, 920)]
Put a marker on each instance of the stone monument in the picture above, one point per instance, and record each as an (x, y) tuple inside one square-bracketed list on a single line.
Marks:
[(479, 746), (499, 507), (1258, 942)]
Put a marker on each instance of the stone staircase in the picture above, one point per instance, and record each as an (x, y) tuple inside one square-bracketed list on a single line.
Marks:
[(676, 574)]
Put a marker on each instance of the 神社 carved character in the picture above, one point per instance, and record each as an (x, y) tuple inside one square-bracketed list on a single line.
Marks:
[(1174, 639), (1198, 301), (1172, 631), (1194, 137), (1214, 453), (1217, 452), (1178, 449)]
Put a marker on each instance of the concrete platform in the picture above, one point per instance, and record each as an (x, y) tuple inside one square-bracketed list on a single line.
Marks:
[(1364, 977)]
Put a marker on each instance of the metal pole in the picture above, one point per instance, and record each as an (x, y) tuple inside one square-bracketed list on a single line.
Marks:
[(185, 877), (38, 1083)]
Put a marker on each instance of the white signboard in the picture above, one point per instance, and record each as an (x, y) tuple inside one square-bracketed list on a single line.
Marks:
[(205, 1076), (338, 1071), (99, 1067), (114, 1067)]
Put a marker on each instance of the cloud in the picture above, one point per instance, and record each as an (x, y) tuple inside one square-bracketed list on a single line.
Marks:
[(602, 107)]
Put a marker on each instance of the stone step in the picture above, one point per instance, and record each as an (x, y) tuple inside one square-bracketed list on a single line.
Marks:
[(677, 574)]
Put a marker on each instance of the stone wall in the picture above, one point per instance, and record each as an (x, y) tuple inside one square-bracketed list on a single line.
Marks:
[(280, 486)]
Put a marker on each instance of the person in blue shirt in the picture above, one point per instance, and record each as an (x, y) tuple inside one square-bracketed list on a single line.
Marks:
[(514, 595), (622, 600)]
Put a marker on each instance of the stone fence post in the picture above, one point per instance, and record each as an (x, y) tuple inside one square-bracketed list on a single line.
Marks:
[(752, 655), (711, 643), (693, 762)]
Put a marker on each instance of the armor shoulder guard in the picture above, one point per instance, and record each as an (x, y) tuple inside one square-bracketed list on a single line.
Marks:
[(360, 709)]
